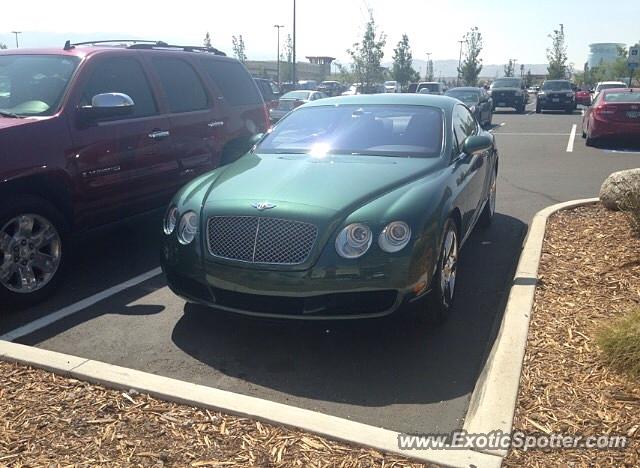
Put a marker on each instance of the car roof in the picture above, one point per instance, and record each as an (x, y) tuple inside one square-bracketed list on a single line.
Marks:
[(86, 51), (409, 99), (464, 88), (612, 82), (621, 90), (557, 81)]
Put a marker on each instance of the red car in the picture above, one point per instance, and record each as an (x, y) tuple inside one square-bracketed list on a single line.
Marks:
[(583, 97), (615, 113), (91, 135)]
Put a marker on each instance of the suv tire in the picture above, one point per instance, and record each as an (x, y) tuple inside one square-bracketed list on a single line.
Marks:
[(34, 249)]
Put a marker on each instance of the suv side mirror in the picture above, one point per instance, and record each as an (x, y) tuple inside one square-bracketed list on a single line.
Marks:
[(476, 144), (106, 106)]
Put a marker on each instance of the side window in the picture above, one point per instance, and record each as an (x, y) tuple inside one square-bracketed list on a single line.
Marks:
[(181, 85), (121, 75), (233, 80), (464, 125)]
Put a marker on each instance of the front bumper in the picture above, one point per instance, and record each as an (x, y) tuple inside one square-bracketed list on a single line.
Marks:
[(556, 102), (318, 293), (507, 100)]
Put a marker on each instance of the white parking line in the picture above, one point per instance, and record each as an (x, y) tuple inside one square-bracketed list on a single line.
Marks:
[(77, 307), (572, 137)]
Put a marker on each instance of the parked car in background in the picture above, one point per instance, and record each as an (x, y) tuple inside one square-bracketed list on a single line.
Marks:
[(477, 100), (607, 85), (614, 114), (412, 88), (269, 91), (351, 207), (357, 88), (583, 96), (509, 92), (293, 99), (431, 87), (94, 135), (533, 89), (330, 88), (309, 85), (556, 95), (392, 87)]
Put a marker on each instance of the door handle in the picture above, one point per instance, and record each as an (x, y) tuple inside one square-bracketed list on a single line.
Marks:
[(216, 123), (159, 134)]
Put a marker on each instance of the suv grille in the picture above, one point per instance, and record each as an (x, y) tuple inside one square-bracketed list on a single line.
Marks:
[(260, 240)]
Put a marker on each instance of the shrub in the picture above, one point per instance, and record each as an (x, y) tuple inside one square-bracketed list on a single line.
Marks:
[(620, 344)]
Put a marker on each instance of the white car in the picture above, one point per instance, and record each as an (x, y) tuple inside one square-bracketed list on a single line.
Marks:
[(607, 85), (392, 87), (431, 87)]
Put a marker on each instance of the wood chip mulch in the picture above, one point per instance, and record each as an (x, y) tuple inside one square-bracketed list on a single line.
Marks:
[(589, 276), (52, 421)]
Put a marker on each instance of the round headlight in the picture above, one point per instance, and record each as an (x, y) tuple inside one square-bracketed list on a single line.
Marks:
[(354, 240), (170, 220), (394, 237), (188, 227)]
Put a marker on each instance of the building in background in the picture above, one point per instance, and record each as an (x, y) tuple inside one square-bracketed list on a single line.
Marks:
[(603, 52), (318, 69)]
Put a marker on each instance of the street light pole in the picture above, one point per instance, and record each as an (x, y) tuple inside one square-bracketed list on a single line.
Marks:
[(16, 34), (293, 68), (278, 26), (460, 62), (428, 68)]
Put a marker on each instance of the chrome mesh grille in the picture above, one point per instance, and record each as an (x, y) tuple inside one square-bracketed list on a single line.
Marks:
[(260, 240)]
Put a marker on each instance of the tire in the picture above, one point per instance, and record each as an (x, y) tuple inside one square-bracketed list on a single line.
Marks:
[(591, 141), (490, 121), (486, 217), (32, 257), (584, 135), (438, 304), (569, 110), (520, 109), (538, 109)]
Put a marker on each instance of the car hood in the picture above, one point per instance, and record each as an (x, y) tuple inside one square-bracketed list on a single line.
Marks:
[(333, 184)]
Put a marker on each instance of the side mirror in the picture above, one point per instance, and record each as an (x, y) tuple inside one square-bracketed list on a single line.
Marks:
[(106, 106), (255, 139), (476, 144)]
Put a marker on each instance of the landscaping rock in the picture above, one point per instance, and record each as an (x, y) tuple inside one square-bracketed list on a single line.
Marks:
[(618, 186)]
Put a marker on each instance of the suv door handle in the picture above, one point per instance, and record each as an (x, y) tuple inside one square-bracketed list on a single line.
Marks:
[(159, 134), (216, 123)]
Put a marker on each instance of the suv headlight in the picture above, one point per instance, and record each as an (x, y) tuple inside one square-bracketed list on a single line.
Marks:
[(170, 220), (354, 240), (188, 227), (394, 237)]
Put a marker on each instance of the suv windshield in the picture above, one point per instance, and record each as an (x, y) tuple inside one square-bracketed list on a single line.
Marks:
[(34, 84), (429, 86), (506, 83), (556, 86), (375, 130)]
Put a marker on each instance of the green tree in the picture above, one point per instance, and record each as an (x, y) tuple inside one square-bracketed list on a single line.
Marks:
[(367, 55), (472, 63), (557, 55), (286, 57), (238, 48), (509, 69), (528, 79), (429, 74), (403, 62), (3, 46), (207, 40)]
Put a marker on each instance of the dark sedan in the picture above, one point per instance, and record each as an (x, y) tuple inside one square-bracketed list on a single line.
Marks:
[(350, 207), (477, 100)]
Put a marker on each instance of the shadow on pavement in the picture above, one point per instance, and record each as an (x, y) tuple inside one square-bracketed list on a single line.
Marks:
[(369, 363)]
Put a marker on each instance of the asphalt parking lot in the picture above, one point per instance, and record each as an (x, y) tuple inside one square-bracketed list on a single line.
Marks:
[(390, 373)]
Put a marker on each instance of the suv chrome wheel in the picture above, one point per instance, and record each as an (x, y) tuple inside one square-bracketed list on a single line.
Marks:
[(449, 266), (30, 253)]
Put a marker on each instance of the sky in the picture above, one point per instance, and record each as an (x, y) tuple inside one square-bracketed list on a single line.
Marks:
[(511, 29)]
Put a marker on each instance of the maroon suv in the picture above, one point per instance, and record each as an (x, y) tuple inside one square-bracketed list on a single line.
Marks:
[(90, 135)]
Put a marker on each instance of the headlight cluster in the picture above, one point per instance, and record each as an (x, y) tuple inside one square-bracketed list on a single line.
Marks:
[(355, 239), (187, 227)]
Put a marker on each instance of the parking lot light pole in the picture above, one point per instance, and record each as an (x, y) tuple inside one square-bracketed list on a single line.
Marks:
[(460, 62), (16, 34), (293, 64), (278, 26)]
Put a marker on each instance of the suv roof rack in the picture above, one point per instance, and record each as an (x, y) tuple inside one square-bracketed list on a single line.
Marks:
[(145, 44)]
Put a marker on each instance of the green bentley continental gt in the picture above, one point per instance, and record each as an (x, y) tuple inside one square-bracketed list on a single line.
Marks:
[(350, 207)]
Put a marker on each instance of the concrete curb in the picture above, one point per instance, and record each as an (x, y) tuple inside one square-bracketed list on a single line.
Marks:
[(494, 398), (206, 397)]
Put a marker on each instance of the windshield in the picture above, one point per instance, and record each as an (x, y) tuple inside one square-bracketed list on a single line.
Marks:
[(506, 83), (390, 83), (611, 86), (376, 130), (556, 86), (468, 97), (622, 97), (34, 84), (297, 95), (430, 86)]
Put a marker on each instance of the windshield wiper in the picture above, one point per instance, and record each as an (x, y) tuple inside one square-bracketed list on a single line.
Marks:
[(11, 115)]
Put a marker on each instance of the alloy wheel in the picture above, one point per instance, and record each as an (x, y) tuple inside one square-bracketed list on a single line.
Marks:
[(30, 253), (449, 266)]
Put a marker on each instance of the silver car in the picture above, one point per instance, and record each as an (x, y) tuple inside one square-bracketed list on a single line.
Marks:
[(291, 100)]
